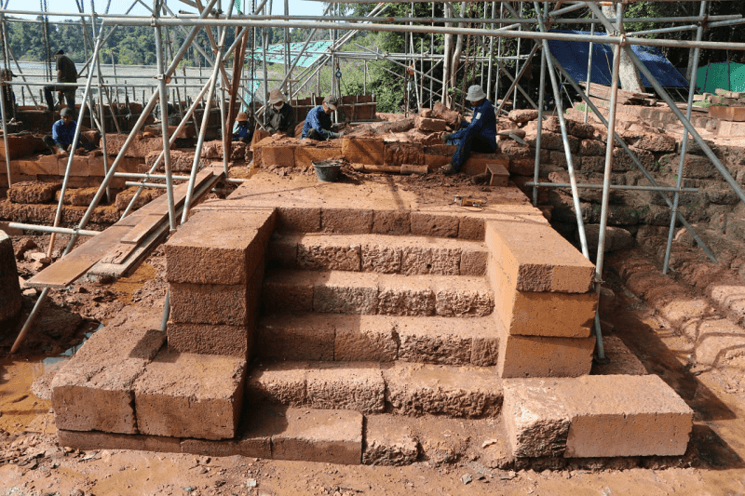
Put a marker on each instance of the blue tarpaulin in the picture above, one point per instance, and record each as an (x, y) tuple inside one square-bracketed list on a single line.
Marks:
[(572, 55), (275, 54)]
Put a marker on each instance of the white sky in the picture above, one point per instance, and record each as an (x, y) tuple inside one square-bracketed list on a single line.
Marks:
[(297, 7)]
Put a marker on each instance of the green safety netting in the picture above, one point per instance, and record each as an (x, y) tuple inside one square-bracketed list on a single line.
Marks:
[(275, 54), (728, 76), (251, 89)]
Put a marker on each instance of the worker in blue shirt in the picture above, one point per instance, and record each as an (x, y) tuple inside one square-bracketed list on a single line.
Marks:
[(243, 131), (478, 136), (318, 121), (63, 133)]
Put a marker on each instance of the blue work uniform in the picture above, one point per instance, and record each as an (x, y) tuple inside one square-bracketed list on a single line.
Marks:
[(242, 130), (480, 135), (319, 121), (63, 135)]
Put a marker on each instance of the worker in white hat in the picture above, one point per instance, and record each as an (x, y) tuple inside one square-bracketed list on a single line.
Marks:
[(280, 116), (480, 135), (318, 121)]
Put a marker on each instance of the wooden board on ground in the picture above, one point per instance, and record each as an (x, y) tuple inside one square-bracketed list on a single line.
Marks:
[(108, 245)]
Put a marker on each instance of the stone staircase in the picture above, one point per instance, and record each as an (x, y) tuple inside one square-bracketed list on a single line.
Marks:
[(359, 335)]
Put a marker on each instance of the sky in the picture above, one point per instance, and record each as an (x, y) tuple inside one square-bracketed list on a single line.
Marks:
[(297, 7)]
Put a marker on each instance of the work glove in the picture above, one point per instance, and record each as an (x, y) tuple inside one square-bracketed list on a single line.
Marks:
[(334, 135), (446, 138)]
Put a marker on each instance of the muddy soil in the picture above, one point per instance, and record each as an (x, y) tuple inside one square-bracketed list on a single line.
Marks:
[(31, 462)]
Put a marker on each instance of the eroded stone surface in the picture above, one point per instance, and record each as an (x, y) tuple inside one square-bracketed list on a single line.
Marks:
[(388, 442), (295, 337), (190, 395), (467, 391), (282, 383), (365, 338), (210, 339), (347, 386)]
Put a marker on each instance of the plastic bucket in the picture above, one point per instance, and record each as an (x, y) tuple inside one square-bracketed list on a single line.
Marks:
[(327, 170)]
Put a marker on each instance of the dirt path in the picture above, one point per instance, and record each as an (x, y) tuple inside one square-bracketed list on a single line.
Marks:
[(32, 463)]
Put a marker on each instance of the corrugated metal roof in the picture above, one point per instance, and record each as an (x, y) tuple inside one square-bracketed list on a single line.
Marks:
[(275, 54)]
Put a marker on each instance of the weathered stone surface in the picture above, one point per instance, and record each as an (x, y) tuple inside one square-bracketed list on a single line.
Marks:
[(10, 289), (695, 166), (616, 238), (447, 341), (346, 386), (339, 220), (327, 436), (344, 292), (592, 147), (430, 260), (534, 257), (430, 125), (33, 192), (363, 151), (190, 395), (361, 338), (381, 257), (210, 304), (396, 222), (521, 116), (552, 141), (96, 440), (287, 291), (299, 219), (414, 389), (282, 383), (405, 296), (463, 296), (574, 128), (181, 161), (537, 421), (471, 228), (218, 247), (658, 143), (473, 263), (123, 198), (399, 153), (388, 442), (622, 360), (441, 226), (94, 390), (295, 337), (536, 356), (139, 147), (210, 339), (628, 415), (320, 253)]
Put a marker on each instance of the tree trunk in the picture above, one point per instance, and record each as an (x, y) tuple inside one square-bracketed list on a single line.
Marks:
[(627, 71)]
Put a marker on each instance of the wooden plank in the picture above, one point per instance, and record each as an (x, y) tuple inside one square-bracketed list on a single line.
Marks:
[(66, 270), (142, 229), (107, 245)]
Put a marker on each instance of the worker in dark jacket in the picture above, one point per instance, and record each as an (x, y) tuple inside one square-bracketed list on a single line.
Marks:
[(66, 73), (280, 116), (243, 131), (63, 134), (480, 135), (318, 121)]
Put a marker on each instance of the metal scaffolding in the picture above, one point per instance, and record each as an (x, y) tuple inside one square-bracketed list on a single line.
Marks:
[(420, 64)]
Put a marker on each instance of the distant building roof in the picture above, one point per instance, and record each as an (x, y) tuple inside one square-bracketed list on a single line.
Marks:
[(572, 55)]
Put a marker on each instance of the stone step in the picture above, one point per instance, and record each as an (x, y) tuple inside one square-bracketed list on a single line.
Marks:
[(596, 416), (328, 436), (368, 387), (367, 293), (379, 253), (378, 338)]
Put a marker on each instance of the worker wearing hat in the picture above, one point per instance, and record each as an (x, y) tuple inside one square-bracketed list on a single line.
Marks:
[(480, 135), (66, 73), (280, 116), (318, 121), (63, 134), (243, 130)]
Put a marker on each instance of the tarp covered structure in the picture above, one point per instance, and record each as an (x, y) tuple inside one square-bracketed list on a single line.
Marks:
[(728, 76), (275, 54), (572, 55)]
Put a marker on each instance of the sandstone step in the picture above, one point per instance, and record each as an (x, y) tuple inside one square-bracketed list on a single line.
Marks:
[(370, 293), (329, 436), (596, 416), (378, 338), (384, 254), (368, 387)]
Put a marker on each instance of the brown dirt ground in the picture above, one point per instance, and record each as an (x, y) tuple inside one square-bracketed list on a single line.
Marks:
[(32, 463)]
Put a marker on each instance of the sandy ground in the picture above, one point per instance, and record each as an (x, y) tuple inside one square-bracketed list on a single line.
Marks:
[(31, 463)]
